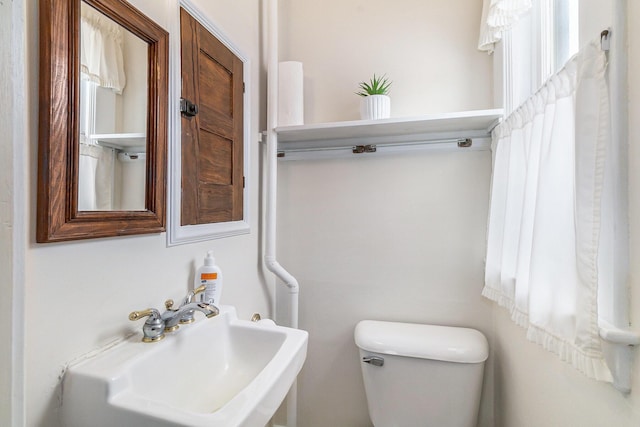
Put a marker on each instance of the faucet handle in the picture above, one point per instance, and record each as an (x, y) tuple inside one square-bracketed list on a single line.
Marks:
[(169, 306), (153, 328), (151, 312), (199, 289)]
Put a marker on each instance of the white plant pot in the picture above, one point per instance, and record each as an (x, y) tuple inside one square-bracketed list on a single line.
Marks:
[(375, 107)]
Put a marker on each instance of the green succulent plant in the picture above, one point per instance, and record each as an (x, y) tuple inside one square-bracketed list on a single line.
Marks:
[(375, 86)]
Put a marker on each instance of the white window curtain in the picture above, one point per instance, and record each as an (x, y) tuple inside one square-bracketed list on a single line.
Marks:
[(546, 216), (497, 17), (95, 178), (101, 51)]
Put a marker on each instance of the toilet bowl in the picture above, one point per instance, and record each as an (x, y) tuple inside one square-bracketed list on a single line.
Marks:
[(421, 375)]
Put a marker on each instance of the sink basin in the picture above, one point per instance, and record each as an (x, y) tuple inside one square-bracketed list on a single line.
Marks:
[(216, 372)]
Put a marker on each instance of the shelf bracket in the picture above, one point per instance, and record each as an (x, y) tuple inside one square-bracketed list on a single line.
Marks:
[(465, 143), (360, 149)]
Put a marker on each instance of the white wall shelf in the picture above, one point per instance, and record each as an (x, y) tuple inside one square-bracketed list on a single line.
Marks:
[(121, 141), (445, 128)]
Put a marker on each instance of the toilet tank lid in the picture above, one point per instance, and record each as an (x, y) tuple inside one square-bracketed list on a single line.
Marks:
[(444, 343)]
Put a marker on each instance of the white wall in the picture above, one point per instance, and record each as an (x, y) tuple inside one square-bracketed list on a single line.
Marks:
[(12, 127), (396, 237), (79, 294)]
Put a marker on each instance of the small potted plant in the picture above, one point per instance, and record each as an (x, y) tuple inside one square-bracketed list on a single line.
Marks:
[(375, 102)]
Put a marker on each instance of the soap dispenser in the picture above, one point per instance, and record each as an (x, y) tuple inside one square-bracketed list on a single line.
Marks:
[(209, 275)]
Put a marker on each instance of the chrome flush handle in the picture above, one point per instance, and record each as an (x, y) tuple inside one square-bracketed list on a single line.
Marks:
[(374, 360)]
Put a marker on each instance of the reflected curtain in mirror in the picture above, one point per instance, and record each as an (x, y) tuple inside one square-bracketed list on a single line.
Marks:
[(95, 180), (101, 56)]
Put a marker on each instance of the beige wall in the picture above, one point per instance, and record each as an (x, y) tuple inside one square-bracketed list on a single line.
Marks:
[(132, 118), (395, 237), (632, 405), (79, 294), (399, 237), (426, 47)]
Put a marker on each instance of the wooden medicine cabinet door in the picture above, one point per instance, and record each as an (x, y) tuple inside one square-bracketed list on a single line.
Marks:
[(212, 127)]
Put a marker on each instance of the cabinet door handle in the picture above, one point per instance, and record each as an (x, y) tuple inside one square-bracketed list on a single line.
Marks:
[(188, 108)]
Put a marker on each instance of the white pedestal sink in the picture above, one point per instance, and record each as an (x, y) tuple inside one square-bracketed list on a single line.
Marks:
[(216, 372)]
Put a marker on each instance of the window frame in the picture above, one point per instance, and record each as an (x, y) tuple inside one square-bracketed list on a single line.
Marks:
[(533, 38)]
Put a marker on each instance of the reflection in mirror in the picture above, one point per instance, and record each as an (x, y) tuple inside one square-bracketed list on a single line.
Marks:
[(74, 133), (113, 115)]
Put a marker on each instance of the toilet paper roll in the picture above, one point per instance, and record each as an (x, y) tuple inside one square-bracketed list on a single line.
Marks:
[(290, 94)]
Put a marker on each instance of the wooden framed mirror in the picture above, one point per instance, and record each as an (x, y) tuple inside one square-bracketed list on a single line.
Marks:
[(80, 194)]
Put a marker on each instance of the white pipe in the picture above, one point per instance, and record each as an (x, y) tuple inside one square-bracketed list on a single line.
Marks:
[(271, 191), (272, 165)]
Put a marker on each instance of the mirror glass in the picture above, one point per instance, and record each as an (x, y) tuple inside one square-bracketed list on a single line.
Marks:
[(113, 115)]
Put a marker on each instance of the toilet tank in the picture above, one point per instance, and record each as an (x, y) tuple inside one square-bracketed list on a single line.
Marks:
[(421, 375)]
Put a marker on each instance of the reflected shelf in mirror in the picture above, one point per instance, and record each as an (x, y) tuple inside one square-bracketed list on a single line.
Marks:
[(122, 141)]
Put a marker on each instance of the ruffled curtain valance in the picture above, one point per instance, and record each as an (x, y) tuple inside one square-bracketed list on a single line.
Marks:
[(497, 17), (101, 51)]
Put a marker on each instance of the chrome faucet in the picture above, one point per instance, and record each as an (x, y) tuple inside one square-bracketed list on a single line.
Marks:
[(171, 317), (157, 324), (188, 316)]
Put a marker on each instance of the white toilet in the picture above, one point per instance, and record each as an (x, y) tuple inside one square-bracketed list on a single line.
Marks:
[(421, 375)]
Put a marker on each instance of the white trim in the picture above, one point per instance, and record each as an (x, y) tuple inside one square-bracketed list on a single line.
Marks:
[(507, 73), (618, 84), (88, 124), (178, 234), (543, 39), (619, 354), (20, 215), (14, 92)]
